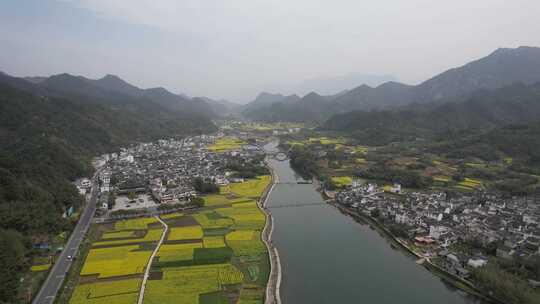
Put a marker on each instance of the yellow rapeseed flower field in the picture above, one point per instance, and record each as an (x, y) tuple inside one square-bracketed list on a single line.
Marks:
[(251, 188), (117, 292), (115, 261), (213, 242), (185, 233), (177, 252)]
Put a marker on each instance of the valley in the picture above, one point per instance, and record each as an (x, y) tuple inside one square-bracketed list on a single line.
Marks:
[(294, 199)]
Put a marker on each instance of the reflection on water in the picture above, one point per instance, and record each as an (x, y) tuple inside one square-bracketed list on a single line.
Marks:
[(327, 257)]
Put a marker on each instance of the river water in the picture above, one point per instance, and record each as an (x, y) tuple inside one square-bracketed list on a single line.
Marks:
[(326, 257)]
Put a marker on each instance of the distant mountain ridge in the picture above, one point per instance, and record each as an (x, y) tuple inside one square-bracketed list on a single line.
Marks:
[(483, 110), (500, 68), (335, 85)]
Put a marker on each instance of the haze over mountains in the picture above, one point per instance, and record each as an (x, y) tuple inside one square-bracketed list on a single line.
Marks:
[(500, 68), (338, 84)]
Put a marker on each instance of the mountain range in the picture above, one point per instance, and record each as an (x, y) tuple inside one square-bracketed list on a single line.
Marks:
[(501, 68), (51, 127), (483, 110), (111, 85)]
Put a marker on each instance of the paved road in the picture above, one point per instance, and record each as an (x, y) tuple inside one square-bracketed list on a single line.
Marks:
[(49, 289)]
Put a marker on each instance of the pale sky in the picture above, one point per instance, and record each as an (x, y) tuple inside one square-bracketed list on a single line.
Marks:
[(234, 49)]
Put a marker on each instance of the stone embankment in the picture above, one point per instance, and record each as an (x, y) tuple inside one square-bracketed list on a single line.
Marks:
[(274, 279)]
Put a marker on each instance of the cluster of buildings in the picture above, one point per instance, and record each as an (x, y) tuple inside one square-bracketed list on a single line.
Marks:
[(441, 226), (165, 170)]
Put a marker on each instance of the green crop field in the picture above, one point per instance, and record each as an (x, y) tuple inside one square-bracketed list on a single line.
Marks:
[(177, 252), (208, 221), (150, 236), (186, 284), (140, 223), (117, 234), (213, 242)]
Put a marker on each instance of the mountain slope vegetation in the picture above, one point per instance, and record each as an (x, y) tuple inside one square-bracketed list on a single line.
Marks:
[(49, 131), (501, 68)]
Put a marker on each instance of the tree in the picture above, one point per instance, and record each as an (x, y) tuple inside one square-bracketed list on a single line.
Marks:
[(132, 196), (12, 262), (197, 201), (204, 186)]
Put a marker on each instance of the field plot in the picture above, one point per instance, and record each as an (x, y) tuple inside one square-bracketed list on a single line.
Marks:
[(223, 199), (213, 220), (185, 233), (186, 284), (342, 181), (253, 188), (117, 292), (149, 236), (113, 268), (116, 261), (140, 223), (177, 252), (227, 144), (213, 242), (469, 184), (224, 256), (118, 234)]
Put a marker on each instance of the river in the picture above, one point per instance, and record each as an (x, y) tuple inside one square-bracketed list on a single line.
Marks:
[(327, 257)]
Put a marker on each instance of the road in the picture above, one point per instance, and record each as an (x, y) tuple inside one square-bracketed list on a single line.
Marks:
[(52, 284)]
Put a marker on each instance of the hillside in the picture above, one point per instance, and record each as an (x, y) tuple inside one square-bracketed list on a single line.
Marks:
[(501, 68), (112, 88), (267, 102), (517, 103), (48, 134)]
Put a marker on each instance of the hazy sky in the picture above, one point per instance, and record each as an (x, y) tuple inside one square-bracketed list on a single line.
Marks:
[(236, 48)]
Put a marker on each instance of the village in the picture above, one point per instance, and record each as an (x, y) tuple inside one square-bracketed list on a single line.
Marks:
[(146, 176), (457, 233)]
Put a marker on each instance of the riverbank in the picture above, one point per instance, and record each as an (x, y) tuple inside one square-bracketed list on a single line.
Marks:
[(447, 277), (274, 279)]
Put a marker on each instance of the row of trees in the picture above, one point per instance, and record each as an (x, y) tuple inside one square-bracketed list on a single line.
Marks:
[(247, 169), (303, 162), (205, 186), (505, 285), (406, 178)]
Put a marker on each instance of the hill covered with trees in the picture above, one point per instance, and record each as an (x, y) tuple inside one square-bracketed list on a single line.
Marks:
[(47, 138)]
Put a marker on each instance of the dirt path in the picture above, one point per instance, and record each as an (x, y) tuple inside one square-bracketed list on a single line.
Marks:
[(147, 272)]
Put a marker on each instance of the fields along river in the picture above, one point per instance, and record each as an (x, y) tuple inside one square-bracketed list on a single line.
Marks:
[(327, 257)]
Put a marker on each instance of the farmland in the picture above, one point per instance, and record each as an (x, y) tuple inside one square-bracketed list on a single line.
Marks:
[(210, 255), (336, 160), (113, 268), (226, 144), (342, 181)]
